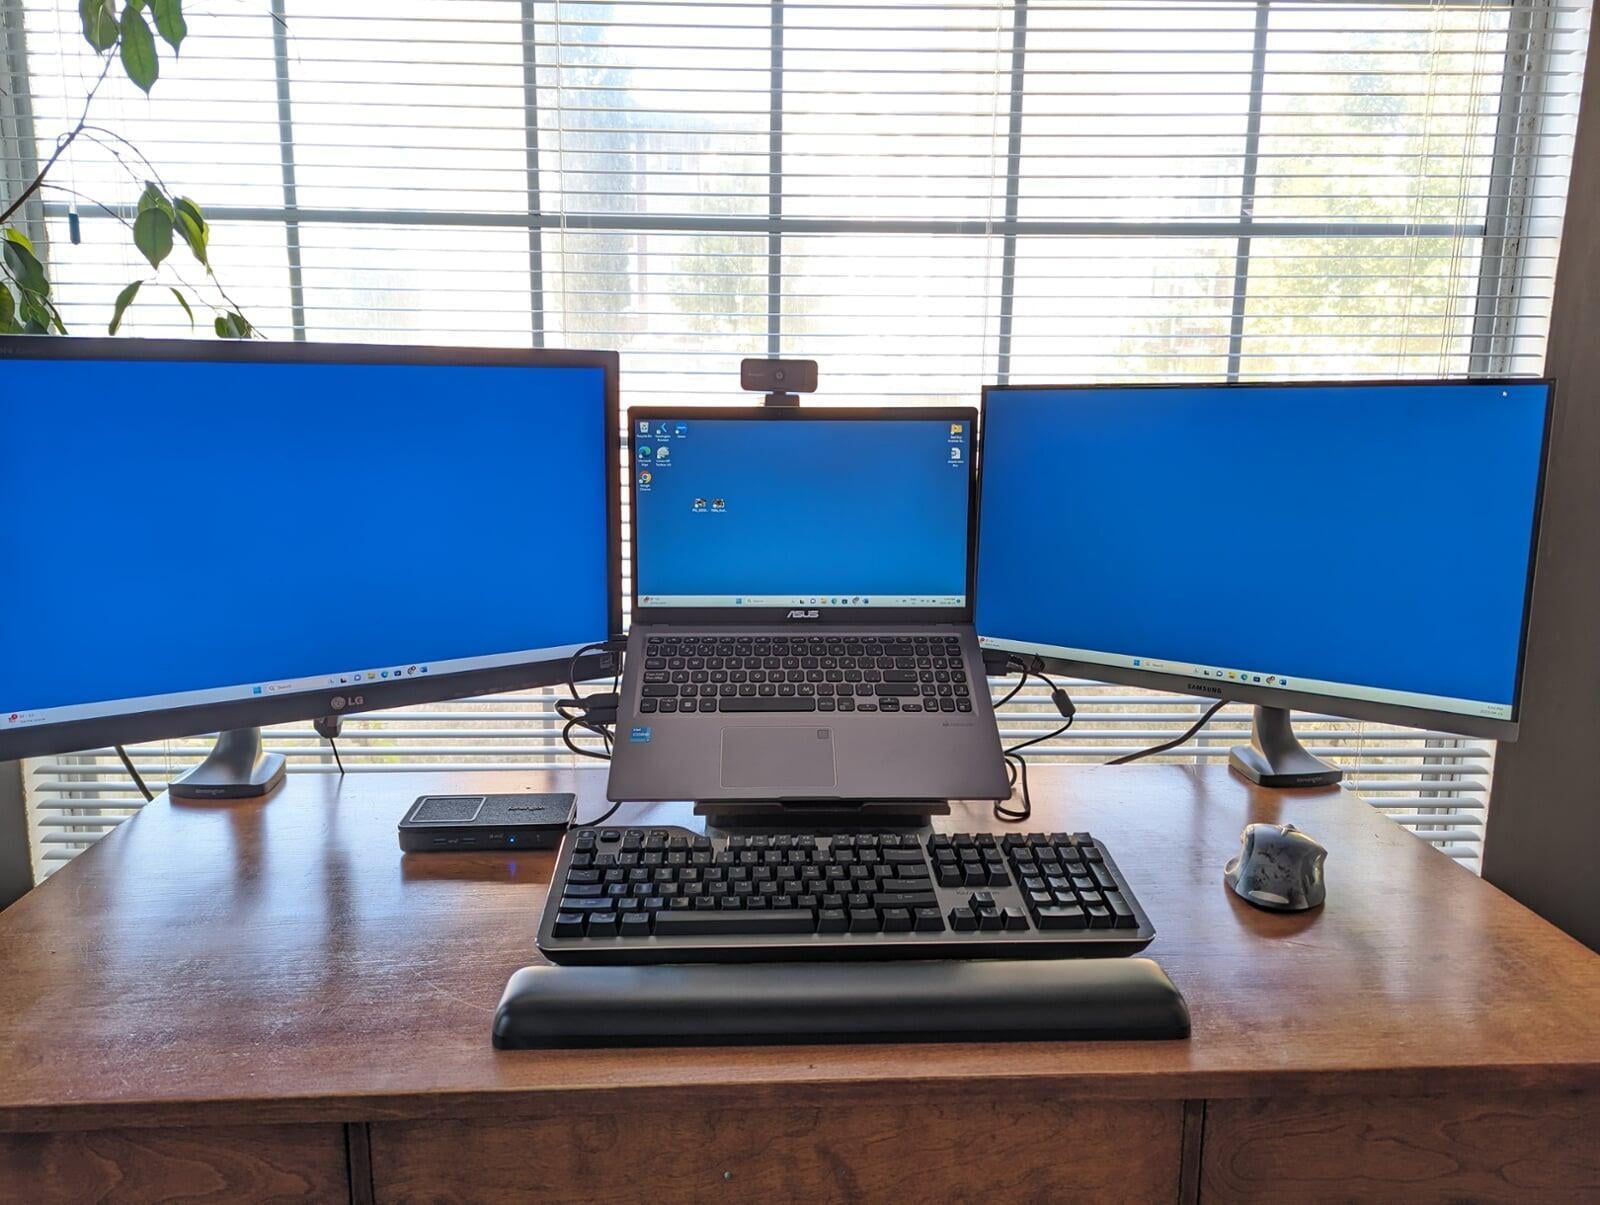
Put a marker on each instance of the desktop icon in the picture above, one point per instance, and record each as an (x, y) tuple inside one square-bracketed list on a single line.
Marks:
[(955, 453), (662, 453), (682, 429), (699, 505), (663, 430), (644, 427), (644, 451), (956, 429), (718, 504), (645, 477)]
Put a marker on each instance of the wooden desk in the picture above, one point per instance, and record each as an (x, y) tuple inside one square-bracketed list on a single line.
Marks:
[(267, 999)]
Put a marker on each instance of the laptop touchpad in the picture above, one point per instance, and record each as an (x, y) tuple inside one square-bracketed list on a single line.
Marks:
[(784, 761)]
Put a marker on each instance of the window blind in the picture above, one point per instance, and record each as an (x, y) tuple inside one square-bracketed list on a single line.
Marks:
[(924, 197)]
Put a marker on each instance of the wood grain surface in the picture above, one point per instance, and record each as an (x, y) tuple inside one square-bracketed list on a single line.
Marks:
[(263, 1163), (1512, 1147), (1025, 1148), (280, 961)]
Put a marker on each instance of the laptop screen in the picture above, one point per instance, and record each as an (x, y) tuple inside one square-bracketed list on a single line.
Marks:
[(787, 510)]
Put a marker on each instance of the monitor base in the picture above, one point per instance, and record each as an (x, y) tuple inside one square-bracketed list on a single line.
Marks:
[(777, 815), (1276, 758), (236, 768)]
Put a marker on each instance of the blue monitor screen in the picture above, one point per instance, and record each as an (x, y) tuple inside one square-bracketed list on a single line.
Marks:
[(794, 511), (1367, 542), (181, 533)]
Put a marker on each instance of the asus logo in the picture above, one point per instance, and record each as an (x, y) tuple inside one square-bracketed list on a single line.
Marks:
[(1196, 688), (802, 614)]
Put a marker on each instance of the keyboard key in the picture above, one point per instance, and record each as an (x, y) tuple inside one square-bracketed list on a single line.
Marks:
[(1062, 916), (1121, 915), (863, 920), (727, 922), (636, 924), (905, 899), (763, 703), (896, 920), (900, 689), (568, 924)]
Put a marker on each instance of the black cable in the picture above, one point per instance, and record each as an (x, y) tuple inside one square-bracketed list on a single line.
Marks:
[(1016, 764), (337, 760), (1175, 742), (127, 764)]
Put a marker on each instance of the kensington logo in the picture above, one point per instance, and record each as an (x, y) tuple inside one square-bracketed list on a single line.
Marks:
[(802, 614)]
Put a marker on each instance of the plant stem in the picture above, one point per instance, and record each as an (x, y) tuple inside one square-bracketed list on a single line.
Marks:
[(62, 143)]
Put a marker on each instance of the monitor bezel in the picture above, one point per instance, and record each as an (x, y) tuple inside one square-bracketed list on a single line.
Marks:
[(173, 722), (856, 616), (1453, 722)]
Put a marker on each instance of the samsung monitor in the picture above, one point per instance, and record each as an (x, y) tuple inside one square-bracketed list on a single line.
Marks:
[(211, 536), (1359, 549)]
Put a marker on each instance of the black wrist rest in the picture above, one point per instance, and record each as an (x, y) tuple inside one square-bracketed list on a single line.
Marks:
[(900, 1001)]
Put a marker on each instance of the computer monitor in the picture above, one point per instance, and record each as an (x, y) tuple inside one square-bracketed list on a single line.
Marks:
[(1359, 549), (747, 514), (210, 536)]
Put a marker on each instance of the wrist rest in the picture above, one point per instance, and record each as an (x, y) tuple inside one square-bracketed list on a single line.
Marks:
[(901, 1001)]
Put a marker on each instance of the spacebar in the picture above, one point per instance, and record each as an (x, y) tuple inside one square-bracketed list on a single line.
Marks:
[(773, 703), (765, 920)]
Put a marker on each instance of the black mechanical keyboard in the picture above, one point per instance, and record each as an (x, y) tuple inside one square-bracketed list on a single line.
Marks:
[(877, 672), (642, 895)]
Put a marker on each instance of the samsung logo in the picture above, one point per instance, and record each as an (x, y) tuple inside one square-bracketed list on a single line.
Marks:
[(802, 614), (1198, 689)]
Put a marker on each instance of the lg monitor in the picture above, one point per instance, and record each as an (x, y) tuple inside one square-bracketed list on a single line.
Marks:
[(211, 536), (1359, 549)]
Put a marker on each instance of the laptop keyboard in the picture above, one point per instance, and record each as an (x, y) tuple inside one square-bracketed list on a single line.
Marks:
[(877, 672)]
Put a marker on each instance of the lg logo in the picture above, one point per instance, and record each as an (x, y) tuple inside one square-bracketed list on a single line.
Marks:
[(339, 702)]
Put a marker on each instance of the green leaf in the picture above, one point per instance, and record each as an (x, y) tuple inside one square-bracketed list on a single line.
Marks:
[(152, 234), (231, 325), (169, 21), (25, 268), (154, 198), (8, 311), (99, 23), (185, 305), (17, 237), (124, 300), (139, 49), (192, 226), (55, 315)]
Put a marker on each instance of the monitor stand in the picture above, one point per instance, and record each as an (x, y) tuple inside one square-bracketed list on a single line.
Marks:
[(1276, 758), (747, 815), (236, 768)]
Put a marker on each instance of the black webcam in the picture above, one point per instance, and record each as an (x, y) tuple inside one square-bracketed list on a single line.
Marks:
[(780, 380)]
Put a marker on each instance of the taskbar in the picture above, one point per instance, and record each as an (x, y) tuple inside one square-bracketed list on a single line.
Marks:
[(1266, 679), (803, 600)]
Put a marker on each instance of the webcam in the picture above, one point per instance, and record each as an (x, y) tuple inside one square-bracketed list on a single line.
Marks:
[(780, 380)]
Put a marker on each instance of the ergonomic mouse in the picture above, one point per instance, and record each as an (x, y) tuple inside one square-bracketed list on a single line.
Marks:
[(1278, 867)]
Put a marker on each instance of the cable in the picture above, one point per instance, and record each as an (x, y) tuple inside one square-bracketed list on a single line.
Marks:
[(1175, 742), (337, 760), (1016, 764), (127, 764)]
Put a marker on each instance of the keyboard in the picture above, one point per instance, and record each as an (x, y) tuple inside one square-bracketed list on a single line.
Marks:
[(644, 895), (744, 673)]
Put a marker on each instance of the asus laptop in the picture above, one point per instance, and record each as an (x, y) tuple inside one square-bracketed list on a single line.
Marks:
[(802, 605)]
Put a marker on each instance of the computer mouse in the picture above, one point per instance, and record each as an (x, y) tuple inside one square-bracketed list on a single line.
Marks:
[(1278, 867)]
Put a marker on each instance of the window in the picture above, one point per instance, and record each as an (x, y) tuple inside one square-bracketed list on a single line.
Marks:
[(922, 196)]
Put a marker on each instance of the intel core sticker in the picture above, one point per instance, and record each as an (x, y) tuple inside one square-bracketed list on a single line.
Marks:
[(640, 733)]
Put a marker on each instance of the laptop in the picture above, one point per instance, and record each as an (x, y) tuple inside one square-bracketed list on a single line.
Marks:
[(802, 605)]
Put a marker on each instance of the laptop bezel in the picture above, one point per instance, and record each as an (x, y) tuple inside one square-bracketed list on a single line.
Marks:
[(824, 615)]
